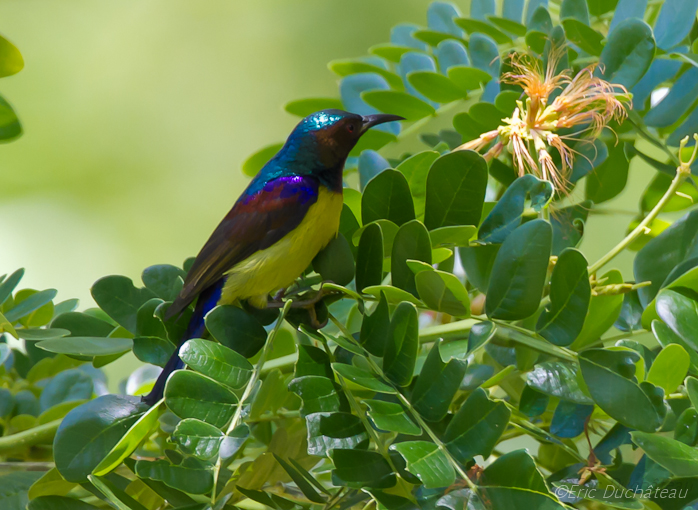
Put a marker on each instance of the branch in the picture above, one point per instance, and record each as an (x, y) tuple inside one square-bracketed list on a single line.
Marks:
[(41, 434)]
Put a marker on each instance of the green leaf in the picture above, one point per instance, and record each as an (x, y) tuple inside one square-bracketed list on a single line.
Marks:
[(608, 179), (30, 304), (33, 334), (415, 169), (507, 213), (10, 126), (674, 22), (669, 368), (217, 362), (678, 458), (437, 384), (198, 438), (635, 406), (478, 262), (443, 292), (153, 350), (398, 103), (628, 53), (476, 427), (82, 324), (692, 388), (335, 262), (89, 432), (394, 295), (66, 386), (8, 285), (411, 243), (680, 313), (686, 429), (452, 236), (164, 280), (369, 257), (387, 196), (362, 378), (118, 297), (50, 483), (58, 503), (575, 9), (361, 468), (513, 481), (570, 294), (334, 431), (602, 314), (319, 395), (456, 187), (391, 417), (306, 487), (583, 36), (86, 346), (14, 487), (472, 26), (375, 328), (254, 163), (392, 52), (402, 345), (558, 379), (427, 462), (192, 395), (658, 258), (304, 107), (519, 272), (114, 494), (136, 434), (435, 86), (355, 66), (190, 476), (11, 61), (468, 78), (508, 25), (236, 329), (665, 336)]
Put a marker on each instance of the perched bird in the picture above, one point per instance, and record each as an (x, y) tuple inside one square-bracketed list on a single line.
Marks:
[(285, 216)]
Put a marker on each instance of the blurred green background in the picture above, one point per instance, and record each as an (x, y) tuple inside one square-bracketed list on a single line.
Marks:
[(138, 115)]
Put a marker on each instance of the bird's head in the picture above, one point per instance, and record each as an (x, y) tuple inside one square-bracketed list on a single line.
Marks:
[(324, 139)]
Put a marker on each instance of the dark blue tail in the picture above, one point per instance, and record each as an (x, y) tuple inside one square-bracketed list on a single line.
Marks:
[(208, 299)]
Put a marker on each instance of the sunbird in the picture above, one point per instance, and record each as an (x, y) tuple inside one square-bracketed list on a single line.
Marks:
[(286, 215)]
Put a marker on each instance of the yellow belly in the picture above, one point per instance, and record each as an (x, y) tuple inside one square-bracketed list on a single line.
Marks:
[(279, 265)]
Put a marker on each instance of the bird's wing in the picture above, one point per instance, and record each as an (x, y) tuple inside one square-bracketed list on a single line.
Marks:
[(255, 222)]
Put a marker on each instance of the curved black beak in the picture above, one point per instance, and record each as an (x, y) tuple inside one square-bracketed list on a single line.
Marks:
[(373, 120)]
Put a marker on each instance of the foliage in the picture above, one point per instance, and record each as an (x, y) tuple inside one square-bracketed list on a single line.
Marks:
[(462, 316)]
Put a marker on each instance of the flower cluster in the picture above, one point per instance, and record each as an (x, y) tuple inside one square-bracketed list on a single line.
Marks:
[(553, 101)]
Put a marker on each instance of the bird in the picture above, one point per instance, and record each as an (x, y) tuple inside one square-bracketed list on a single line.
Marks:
[(287, 214)]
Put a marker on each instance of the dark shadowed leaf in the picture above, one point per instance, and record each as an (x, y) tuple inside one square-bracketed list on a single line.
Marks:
[(89, 432), (437, 384), (518, 273), (570, 293), (192, 395), (387, 196), (476, 427), (402, 344), (456, 187), (628, 52), (217, 362), (237, 329), (411, 243)]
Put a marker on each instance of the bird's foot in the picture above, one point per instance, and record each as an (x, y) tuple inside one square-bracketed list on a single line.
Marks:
[(279, 296), (314, 322)]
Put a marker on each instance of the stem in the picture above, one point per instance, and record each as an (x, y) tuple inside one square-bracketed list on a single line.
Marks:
[(41, 434), (682, 172), (415, 415), (248, 390)]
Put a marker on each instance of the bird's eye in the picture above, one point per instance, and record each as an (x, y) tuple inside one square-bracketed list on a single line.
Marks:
[(350, 128)]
